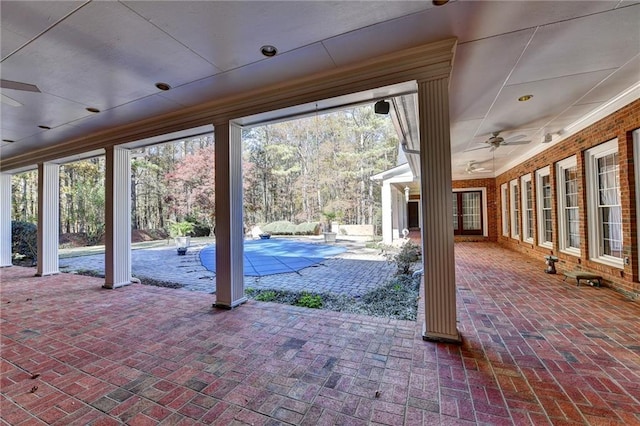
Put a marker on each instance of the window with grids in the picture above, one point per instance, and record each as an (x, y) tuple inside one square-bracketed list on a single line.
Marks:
[(605, 209), (515, 209), (527, 209), (568, 207), (544, 205), (505, 210)]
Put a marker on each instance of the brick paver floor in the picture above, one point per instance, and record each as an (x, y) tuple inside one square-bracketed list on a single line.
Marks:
[(536, 350)]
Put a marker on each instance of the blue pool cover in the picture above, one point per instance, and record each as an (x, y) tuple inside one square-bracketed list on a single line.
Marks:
[(275, 256)]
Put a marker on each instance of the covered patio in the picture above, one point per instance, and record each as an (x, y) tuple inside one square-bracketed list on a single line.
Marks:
[(535, 350)]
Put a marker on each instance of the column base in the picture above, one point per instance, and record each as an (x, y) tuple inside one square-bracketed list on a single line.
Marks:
[(46, 274), (441, 338), (235, 304), (114, 286)]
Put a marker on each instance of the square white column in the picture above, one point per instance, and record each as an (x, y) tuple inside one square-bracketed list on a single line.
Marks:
[(229, 228), (48, 218), (117, 261), (387, 212), (437, 207), (5, 220)]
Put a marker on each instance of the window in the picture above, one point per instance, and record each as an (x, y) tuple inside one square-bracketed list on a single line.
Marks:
[(505, 210), (515, 210), (467, 213), (604, 206), (527, 208), (544, 205), (568, 211)]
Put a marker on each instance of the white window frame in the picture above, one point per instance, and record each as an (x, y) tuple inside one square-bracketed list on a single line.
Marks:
[(593, 215), (527, 234), (513, 209), (505, 209), (561, 166), (541, 174)]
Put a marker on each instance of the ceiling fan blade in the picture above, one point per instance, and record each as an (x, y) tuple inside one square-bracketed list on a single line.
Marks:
[(16, 85), (513, 138), (475, 149), (516, 143), (9, 101)]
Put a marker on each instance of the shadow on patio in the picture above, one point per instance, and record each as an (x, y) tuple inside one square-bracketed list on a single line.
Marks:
[(536, 350)]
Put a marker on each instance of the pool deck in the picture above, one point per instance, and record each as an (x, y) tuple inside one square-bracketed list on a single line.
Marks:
[(353, 272)]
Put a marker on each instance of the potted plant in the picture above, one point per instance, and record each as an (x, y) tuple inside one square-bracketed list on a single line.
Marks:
[(180, 231), (329, 235)]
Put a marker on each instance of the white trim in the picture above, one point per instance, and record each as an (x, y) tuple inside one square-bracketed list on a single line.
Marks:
[(513, 214), (485, 214), (561, 166), (523, 213), (504, 195), (636, 163), (593, 215), (540, 174)]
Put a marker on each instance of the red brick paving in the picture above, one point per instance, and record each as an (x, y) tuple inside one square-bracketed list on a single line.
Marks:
[(536, 350)]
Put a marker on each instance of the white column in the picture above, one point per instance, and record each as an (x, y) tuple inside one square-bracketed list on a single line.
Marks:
[(5, 220), (437, 230), (229, 230), (387, 210), (48, 218), (117, 261)]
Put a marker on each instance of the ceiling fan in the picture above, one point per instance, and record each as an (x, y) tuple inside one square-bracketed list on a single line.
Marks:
[(472, 167), (496, 141), (15, 85)]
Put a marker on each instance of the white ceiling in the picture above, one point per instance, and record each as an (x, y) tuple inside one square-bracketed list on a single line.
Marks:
[(574, 57)]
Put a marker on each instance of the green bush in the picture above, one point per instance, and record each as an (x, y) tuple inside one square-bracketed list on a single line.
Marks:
[(409, 254), (282, 227), (313, 301), (266, 296), (24, 239), (307, 228), (180, 229)]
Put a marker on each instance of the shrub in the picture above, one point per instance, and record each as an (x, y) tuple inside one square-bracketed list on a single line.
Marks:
[(282, 227), (409, 254), (266, 296), (307, 228), (180, 229), (24, 239), (313, 301)]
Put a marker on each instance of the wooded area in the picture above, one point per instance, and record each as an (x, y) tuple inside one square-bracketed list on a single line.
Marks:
[(297, 170)]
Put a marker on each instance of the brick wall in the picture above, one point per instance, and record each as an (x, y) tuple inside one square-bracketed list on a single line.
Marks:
[(618, 125)]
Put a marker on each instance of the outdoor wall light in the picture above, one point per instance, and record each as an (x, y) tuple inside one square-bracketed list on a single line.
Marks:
[(381, 107), (406, 194)]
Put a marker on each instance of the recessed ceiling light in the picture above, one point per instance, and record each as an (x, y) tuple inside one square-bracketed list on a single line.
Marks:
[(268, 50), (163, 86), (439, 2), (45, 127), (8, 140), (93, 110), (525, 98)]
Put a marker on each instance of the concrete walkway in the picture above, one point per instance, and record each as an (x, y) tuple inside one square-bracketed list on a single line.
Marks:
[(354, 272)]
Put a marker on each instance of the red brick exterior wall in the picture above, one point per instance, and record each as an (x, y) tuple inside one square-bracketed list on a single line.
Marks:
[(618, 125), (490, 185)]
